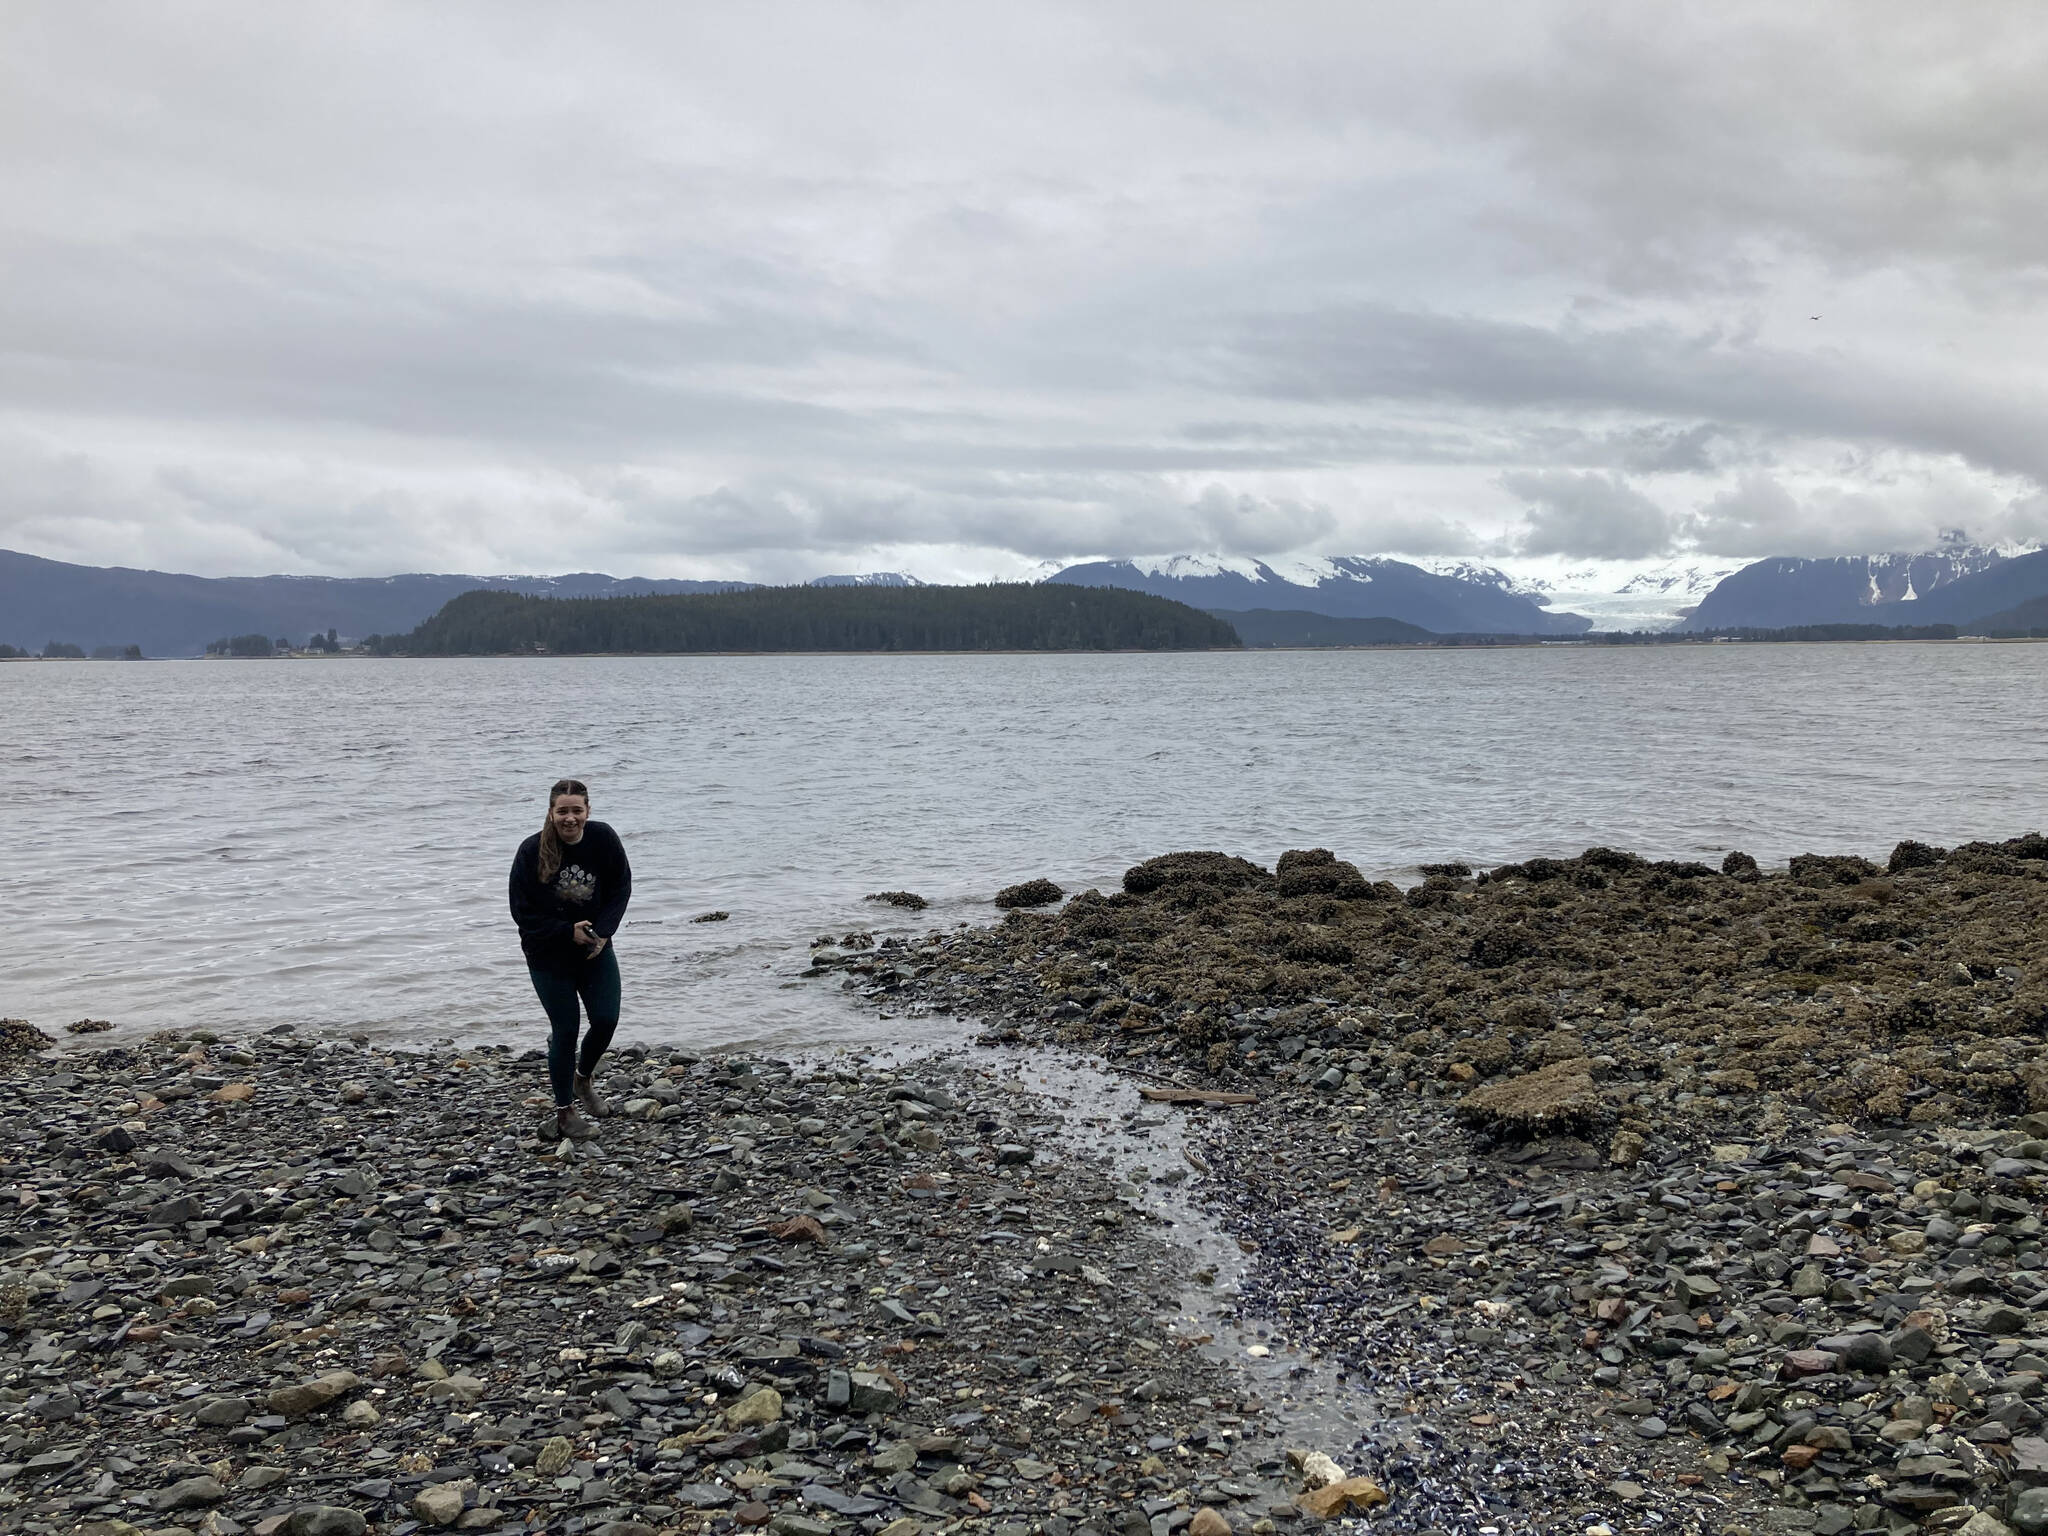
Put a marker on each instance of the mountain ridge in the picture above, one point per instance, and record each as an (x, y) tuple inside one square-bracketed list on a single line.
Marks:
[(174, 614), (1338, 586), (1951, 585), (170, 613)]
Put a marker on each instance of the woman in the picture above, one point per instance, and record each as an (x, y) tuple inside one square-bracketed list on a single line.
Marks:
[(570, 886)]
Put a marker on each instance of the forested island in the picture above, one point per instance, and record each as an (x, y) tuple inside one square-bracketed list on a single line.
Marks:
[(1267, 628), (997, 617)]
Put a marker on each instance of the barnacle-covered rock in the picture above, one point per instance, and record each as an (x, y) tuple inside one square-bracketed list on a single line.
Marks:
[(1029, 893)]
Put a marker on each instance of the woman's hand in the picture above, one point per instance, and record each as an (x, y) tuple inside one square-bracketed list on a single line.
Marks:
[(587, 936)]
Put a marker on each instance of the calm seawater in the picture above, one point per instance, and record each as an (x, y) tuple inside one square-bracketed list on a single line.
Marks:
[(237, 844)]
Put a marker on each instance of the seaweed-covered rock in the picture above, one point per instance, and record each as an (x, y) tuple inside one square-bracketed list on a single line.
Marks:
[(1831, 869), (1560, 1098), (1533, 870), (1695, 990), (1984, 859), (1198, 868), (910, 901), (1312, 948), (1740, 865), (1303, 858), (19, 1038), (1318, 872), (1502, 944), (1614, 860), (1680, 869), (1029, 893), (1911, 855), (1436, 891)]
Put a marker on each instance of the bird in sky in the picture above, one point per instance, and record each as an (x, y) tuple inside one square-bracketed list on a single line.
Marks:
[(1813, 317)]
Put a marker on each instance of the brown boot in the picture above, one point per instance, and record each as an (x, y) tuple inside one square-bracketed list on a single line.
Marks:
[(588, 1101), (569, 1123)]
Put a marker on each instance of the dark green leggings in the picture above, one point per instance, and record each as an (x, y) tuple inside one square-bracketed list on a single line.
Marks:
[(596, 982)]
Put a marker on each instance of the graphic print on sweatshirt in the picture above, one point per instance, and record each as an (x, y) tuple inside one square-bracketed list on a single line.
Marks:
[(575, 884)]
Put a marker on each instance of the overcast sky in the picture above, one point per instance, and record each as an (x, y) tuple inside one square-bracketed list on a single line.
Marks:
[(769, 291)]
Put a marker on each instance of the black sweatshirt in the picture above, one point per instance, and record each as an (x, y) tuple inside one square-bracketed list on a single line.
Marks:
[(594, 884)]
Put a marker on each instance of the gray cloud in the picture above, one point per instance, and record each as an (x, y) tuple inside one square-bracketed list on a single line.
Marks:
[(1699, 151), (1370, 353), (748, 291), (1897, 512), (1589, 514)]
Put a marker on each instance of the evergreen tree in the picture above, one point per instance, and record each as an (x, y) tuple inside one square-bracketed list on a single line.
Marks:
[(998, 617)]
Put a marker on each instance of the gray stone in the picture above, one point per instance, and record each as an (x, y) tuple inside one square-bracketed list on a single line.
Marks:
[(1691, 1290), (438, 1504), (190, 1493), (1864, 1354), (2030, 1512), (869, 1393), (224, 1411), (323, 1520), (1913, 1344)]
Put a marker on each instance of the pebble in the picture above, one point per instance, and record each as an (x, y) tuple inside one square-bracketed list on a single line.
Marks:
[(438, 1504), (1598, 1173), (816, 1299), (1617, 1194)]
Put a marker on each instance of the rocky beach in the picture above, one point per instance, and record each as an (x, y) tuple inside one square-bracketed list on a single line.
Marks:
[(1580, 1195), (1627, 1194), (305, 1286)]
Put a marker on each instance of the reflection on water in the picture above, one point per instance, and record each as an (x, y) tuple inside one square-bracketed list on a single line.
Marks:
[(326, 842)]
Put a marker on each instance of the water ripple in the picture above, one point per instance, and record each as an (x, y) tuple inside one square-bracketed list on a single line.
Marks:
[(326, 843)]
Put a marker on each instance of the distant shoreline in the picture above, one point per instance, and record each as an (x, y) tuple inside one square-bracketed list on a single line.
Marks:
[(1514, 643)]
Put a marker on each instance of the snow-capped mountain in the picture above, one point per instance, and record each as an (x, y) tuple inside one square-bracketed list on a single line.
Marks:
[(1557, 595), (1569, 596), (1862, 589), (867, 579), (1341, 586), (1614, 594)]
